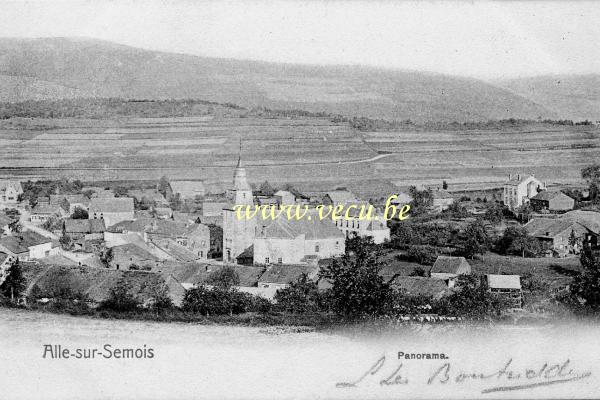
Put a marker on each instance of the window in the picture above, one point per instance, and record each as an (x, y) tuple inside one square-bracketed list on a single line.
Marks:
[(317, 248), (279, 260), (201, 253), (266, 260), (337, 245)]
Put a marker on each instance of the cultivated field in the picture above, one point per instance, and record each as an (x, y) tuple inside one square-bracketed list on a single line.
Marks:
[(314, 154)]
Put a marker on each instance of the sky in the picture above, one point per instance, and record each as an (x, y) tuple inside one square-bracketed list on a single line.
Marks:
[(482, 39)]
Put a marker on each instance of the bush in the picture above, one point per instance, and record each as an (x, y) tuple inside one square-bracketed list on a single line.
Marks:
[(218, 301), (120, 298), (302, 296), (471, 300), (79, 213)]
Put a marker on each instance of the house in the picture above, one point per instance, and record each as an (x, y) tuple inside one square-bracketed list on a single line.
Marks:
[(175, 250), (506, 286), (98, 192), (419, 286), (557, 234), (291, 196), (277, 277), (26, 246), (148, 196), (442, 200), (518, 190), (551, 201), (188, 190), (163, 212), (356, 225), (87, 229), (284, 241), (246, 257), (130, 256), (70, 201), (194, 274), (402, 199), (213, 208), (448, 268), (42, 212), (111, 210), (9, 192), (340, 196)]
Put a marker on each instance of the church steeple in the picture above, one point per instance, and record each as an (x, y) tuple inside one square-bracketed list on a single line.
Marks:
[(241, 187)]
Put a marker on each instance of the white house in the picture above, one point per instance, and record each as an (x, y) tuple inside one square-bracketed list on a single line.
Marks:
[(9, 192), (519, 189), (285, 241), (26, 246)]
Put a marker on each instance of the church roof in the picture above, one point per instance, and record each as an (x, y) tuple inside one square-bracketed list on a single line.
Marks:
[(282, 228)]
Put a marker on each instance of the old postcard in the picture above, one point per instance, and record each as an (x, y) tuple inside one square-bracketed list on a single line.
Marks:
[(299, 199)]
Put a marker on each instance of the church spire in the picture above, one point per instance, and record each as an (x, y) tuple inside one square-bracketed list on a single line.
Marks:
[(239, 162)]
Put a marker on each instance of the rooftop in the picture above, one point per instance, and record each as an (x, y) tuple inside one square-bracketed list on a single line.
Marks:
[(448, 264), (549, 195), (112, 205), (278, 273), (504, 281)]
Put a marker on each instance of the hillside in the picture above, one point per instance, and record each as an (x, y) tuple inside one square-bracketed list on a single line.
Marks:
[(65, 68), (575, 95)]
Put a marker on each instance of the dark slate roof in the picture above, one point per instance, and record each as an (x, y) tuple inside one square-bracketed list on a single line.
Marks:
[(117, 204), (130, 249), (447, 264), (197, 272), (282, 228), (84, 225), (21, 242), (549, 195), (175, 250)]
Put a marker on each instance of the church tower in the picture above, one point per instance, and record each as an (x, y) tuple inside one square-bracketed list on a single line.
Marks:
[(238, 235)]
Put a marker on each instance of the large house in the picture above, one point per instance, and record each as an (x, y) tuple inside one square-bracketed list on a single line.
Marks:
[(285, 241), (518, 190), (26, 246), (551, 201), (111, 210), (43, 212), (557, 233), (87, 229), (10, 192)]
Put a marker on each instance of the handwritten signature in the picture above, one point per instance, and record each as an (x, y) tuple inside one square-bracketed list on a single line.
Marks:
[(506, 378)]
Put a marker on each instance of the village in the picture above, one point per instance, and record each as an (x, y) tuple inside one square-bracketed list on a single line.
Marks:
[(178, 236)]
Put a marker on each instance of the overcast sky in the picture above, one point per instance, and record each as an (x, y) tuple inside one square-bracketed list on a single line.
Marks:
[(478, 39)]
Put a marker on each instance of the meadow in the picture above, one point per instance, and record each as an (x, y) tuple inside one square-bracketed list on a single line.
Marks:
[(313, 154)]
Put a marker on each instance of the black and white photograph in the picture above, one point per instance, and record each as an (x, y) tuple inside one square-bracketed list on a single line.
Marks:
[(299, 199)]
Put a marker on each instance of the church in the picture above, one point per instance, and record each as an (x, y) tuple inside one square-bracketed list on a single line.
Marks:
[(281, 241)]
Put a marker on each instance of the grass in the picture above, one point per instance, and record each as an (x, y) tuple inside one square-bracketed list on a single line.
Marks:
[(315, 154)]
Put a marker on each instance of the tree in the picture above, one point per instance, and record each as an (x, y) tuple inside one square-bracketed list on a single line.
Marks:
[(224, 278), (266, 189), (65, 241), (472, 300), (422, 200), (163, 186), (160, 299), (494, 214), (79, 213), (591, 175), (106, 256), (586, 284), (418, 271), (15, 226), (302, 296), (357, 288), (475, 239), (14, 284), (120, 298), (516, 240)]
